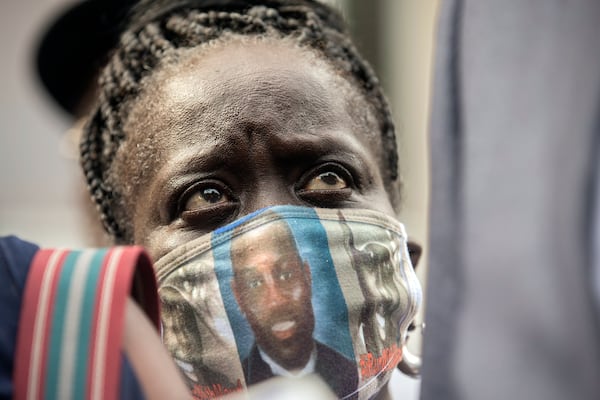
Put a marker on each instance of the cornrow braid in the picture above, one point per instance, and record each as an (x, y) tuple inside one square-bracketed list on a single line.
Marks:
[(157, 28)]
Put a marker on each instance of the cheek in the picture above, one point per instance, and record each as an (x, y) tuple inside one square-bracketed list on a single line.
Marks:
[(160, 239), (297, 294), (256, 313), (381, 201), (254, 303), (156, 242)]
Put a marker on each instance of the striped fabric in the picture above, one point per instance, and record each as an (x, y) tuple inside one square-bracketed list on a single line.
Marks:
[(72, 317)]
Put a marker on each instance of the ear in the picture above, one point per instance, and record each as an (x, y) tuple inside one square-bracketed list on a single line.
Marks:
[(414, 251)]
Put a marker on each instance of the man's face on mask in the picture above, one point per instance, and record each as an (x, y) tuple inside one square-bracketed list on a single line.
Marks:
[(273, 289)]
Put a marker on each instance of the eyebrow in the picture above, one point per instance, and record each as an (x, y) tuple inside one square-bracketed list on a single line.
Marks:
[(306, 146), (307, 149), (304, 149)]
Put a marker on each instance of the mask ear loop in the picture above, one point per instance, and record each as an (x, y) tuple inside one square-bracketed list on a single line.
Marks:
[(411, 363)]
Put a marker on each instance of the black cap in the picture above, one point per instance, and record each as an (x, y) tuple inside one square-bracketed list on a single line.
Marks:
[(74, 47), (78, 41)]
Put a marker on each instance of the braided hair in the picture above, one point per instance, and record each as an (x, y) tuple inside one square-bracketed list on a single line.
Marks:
[(158, 28)]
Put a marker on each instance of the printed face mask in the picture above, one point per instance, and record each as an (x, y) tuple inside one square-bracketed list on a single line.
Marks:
[(290, 291)]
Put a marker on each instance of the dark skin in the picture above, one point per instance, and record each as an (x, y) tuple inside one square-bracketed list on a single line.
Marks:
[(242, 126), (236, 127), (273, 289)]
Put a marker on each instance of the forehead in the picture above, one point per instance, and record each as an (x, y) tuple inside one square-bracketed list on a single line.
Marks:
[(259, 79), (277, 68)]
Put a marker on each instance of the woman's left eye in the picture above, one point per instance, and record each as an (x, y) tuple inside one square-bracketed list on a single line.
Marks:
[(328, 180), (326, 186)]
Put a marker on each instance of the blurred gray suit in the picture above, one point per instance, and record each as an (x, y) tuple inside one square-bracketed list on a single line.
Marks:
[(515, 144)]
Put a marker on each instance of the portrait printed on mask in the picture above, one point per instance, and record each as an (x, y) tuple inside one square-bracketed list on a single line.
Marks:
[(298, 291), (272, 284)]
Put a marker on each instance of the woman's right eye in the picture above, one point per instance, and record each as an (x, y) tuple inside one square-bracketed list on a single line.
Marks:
[(204, 197), (206, 201)]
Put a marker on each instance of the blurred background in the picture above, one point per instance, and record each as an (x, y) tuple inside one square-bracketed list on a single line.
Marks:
[(43, 198)]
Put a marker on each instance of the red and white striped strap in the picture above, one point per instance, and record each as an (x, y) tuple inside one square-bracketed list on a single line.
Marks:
[(72, 316)]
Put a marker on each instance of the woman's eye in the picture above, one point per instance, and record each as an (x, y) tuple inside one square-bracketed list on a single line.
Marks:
[(328, 180), (205, 197), (327, 186), (207, 204)]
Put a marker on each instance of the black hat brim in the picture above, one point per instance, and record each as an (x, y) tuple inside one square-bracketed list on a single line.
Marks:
[(75, 45)]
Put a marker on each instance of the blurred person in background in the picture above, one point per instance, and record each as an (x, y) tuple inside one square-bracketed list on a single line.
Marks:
[(515, 134)]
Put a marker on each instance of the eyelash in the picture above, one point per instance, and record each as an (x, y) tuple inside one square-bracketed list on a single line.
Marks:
[(218, 213), (329, 197), (211, 215)]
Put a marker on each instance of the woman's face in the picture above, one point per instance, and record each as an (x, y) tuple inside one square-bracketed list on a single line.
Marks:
[(230, 129)]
